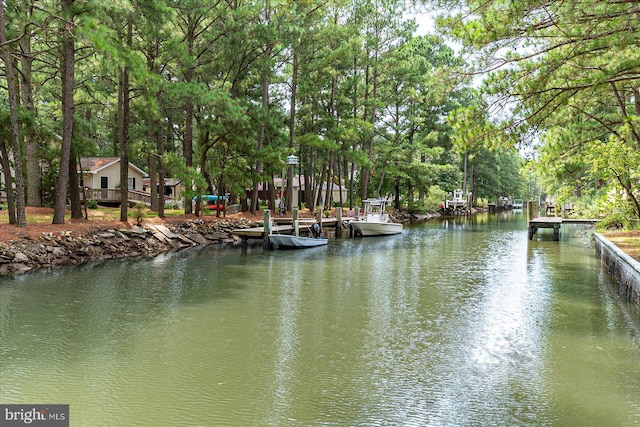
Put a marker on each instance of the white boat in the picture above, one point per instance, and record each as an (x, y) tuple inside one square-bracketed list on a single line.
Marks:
[(375, 221), (518, 204), (296, 242)]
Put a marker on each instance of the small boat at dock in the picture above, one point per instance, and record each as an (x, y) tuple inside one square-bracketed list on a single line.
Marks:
[(288, 241), (375, 221), (295, 241)]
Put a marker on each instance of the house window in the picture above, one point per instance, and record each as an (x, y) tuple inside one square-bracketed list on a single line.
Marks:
[(132, 183), (104, 182)]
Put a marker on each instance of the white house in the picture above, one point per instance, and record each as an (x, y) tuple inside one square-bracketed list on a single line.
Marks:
[(104, 173)]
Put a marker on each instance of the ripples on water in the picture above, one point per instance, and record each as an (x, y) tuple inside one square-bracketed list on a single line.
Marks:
[(458, 322)]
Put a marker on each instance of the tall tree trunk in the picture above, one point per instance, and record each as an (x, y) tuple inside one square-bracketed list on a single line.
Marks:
[(464, 173), (74, 190), (354, 147), (160, 150), (152, 54), (122, 145), (187, 149), (309, 183), (187, 144), (261, 130), (370, 98), (329, 182), (319, 202), (34, 196), (153, 164), (67, 73), (124, 130), (123, 127), (21, 218), (6, 174), (292, 127)]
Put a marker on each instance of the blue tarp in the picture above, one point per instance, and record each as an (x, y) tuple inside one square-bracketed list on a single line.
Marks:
[(210, 198)]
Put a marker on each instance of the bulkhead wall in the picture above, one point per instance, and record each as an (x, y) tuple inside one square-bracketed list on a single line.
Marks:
[(624, 269)]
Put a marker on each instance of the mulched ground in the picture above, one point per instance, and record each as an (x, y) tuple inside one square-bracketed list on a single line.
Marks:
[(81, 227), (628, 241)]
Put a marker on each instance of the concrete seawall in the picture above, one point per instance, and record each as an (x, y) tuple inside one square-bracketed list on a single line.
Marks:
[(624, 269)]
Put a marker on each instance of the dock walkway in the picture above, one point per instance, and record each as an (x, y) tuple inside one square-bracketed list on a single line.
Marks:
[(282, 226), (554, 222)]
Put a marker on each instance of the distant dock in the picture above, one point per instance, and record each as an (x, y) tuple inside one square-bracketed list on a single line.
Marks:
[(554, 222)]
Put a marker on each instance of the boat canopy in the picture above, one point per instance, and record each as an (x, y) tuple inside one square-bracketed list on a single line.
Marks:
[(210, 198)]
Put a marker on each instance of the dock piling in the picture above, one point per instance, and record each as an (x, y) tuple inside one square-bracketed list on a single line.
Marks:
[(296, 225), (266, 218)]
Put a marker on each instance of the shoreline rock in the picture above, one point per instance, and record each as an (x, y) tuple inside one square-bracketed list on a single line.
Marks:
[(65, 248)]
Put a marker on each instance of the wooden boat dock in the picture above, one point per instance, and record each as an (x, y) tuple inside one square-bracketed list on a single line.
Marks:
[(283, 226), (545, 222), (554, 222)]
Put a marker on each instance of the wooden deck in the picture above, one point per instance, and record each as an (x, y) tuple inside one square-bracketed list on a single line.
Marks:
[(554, 222), (113, 196), (283, 226), (545, 222)]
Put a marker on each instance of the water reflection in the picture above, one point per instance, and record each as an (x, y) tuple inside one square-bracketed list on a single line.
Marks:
[(457, 322)]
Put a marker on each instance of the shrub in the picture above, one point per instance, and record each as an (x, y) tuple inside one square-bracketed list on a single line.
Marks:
[(138, 213), (613, 222), (434, 198), (92, 204), (416, 206)]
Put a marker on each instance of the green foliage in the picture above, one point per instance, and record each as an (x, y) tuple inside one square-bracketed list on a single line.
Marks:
[(561, 78), (92, 204), (614, 221), (435, 197), (220, 76), (138, 213)]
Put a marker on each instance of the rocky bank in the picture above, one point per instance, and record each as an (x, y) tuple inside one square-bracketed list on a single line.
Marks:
[(52, 250)]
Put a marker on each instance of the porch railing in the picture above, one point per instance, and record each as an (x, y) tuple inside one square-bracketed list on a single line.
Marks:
[(113, 196)]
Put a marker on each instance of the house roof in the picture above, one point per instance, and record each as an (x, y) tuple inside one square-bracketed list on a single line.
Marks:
[(171, 182), (93, 165)]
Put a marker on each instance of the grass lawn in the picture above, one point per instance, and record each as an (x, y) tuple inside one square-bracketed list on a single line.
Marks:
[(45, 215), (628, 241)]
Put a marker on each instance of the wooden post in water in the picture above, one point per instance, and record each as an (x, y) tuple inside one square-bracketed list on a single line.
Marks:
[(319, 218), (296, 225), (338, 221), (266, 218), (531, 209), (356, 216)]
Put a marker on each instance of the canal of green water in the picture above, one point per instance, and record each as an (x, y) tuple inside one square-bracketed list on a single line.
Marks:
[(459, 322)]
